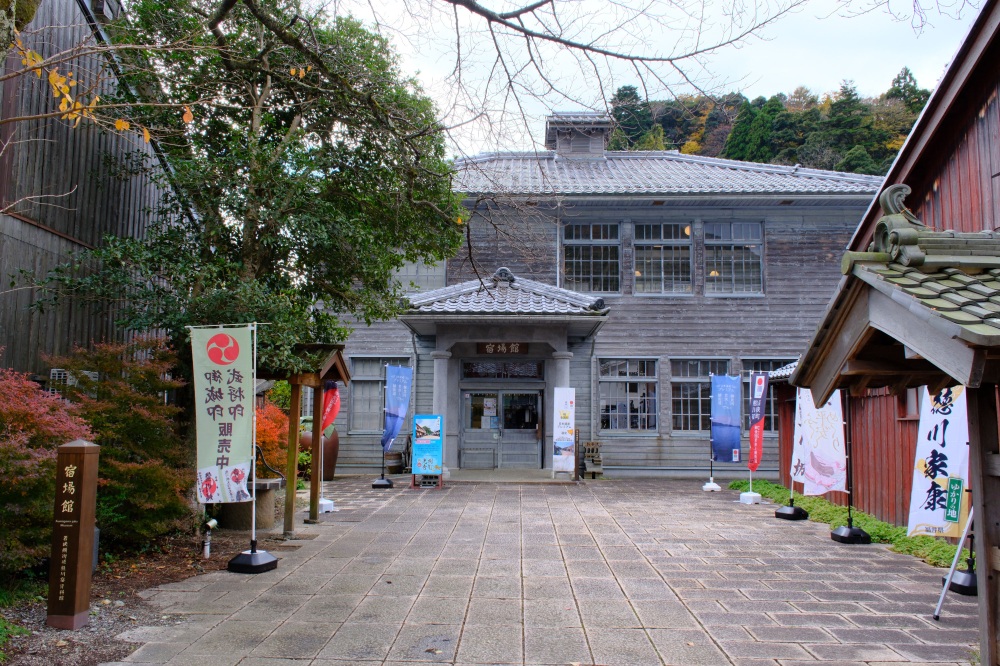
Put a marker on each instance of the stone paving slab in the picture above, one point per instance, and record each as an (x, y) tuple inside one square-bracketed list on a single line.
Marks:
[(603, 572)]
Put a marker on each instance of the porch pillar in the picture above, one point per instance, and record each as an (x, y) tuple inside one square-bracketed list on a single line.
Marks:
[(562, 367), (440, 381), (440, 399), (984, 447)]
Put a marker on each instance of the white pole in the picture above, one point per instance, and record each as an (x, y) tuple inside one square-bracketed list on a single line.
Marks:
[(253, 444)]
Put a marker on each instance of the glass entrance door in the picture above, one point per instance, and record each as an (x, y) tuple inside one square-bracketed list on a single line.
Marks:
[(520, 436), (501, 429)]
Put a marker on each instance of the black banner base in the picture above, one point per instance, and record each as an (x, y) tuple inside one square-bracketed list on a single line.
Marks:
[(382, 484), (791, 513), (845, 534), (251, 562), (963, 582)]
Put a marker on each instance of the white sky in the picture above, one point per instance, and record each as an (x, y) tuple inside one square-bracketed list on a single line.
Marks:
[(817, 47)]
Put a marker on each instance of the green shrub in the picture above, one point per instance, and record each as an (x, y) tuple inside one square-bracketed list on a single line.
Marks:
[(936, 552)]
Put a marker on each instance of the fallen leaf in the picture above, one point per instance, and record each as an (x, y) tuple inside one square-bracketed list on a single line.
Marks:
[(433, 650)]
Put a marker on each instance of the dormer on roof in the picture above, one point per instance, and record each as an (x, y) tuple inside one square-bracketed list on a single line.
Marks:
[(578, 134)]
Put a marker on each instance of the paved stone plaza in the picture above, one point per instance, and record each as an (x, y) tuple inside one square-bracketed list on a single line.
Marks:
[(603, 572)]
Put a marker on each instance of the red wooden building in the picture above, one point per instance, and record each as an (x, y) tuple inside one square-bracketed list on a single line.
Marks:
[(919, 305)]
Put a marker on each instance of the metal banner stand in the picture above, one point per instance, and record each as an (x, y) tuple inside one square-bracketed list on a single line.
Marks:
[(962, 582), (253, 561), (382, 482), (849, 533), (711, 486)]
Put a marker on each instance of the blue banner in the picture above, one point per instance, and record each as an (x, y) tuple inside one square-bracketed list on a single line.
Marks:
[(397, 398), (725, 418)]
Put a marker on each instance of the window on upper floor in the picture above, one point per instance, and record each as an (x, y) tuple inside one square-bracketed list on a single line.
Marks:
[(770, 404), (592, 257), (367, 390), (691, 392), (419, 276), (628, 390), (734, 258), (663, 258)]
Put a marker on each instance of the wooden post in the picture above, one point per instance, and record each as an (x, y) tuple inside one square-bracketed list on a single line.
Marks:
[(291, 470), (317, 448), (984, 448), (73, 535)]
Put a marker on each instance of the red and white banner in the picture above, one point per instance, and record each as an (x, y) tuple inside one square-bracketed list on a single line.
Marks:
[(758, 400), (331, 404)]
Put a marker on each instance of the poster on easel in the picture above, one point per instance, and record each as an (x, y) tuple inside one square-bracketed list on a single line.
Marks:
[(564, 430), (428, 446)]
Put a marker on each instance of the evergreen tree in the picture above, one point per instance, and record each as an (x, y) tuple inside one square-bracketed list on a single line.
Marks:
[(857, 160), (651, 140), (631, 113), (617, 140), (904, 88), (738, 143)]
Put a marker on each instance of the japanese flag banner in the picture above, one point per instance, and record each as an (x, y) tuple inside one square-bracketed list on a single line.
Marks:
[(224, 412), (939, 505), (819, 457)]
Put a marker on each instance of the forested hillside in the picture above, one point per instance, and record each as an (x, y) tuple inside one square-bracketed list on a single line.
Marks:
[(840, 131)]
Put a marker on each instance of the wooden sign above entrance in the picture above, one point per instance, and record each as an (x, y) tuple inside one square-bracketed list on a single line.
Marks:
[(501, 348)]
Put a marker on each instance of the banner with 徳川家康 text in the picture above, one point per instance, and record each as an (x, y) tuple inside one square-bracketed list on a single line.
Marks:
[(939, 503)]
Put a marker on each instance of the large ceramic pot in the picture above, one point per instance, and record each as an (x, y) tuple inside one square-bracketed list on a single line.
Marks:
[(331, 448)]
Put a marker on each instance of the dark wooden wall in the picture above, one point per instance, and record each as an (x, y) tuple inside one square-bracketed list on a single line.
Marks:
[(964, 193), (63, 189)]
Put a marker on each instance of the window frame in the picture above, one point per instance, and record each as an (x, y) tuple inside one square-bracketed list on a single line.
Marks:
[(732, 244), (360, 379), (662, 244), (577, 283), (646, 416), (701, 381)]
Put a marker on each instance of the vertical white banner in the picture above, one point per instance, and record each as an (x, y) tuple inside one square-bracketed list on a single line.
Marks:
[(223, 402), (819, 456), (564, 429), (938, 502)]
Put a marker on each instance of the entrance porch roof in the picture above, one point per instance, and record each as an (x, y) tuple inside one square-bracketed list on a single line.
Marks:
[(506, 299)]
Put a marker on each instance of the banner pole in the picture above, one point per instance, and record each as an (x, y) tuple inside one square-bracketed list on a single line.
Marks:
[(849, 533), (253, 446)]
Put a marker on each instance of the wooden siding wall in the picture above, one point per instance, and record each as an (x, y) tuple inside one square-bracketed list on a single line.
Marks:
[(524, 239), (65, 189), (883, 446), (964, 195)]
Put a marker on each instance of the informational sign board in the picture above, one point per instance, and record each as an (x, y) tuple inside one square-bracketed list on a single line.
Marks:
[(428, 444), (224, 411), (73, 535), (564, 430), (939, 504)]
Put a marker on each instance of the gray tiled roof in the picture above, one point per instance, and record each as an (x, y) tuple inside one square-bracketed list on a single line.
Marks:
[(784, 372), (653, 172), (505, 294), (965, 301)]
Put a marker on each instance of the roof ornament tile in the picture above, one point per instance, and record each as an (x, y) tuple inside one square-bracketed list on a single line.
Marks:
[(504, 275), (898, 231)]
